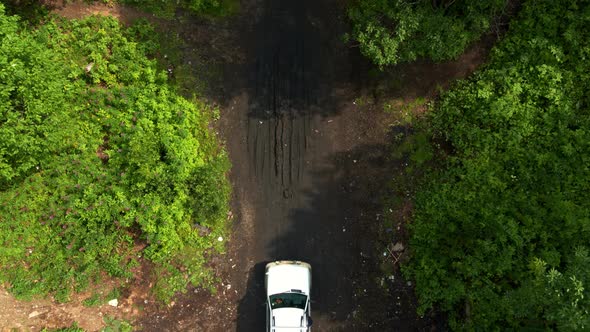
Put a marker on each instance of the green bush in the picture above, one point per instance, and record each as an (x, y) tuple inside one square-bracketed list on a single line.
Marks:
[(393, 31), (511, 207), (30, 10), (116, 325), (200, 7), (100, 160), (73, 328)]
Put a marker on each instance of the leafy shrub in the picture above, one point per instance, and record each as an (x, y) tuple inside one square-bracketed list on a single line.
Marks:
[(201, 7), (73, 328), (561, 297), (31, 10), (116, 325), (100, 158), (512, 205), (393, 31)]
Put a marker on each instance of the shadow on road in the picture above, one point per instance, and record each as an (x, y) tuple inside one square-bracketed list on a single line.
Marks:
[(329, 230), (335, 231), (251, 310)]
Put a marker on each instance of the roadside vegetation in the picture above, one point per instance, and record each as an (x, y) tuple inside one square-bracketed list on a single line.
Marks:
[(199, 7), (33, 10), (103, 165), (111, 325), (393, 31), (500, 228)]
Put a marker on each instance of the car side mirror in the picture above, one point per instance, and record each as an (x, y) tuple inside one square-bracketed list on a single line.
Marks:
[(309, 321)]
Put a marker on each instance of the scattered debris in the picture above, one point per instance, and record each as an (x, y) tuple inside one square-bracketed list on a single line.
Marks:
[(34, 314), (398, 247), (203, 230)]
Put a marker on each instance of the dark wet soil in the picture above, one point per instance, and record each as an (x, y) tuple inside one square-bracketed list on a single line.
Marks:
[(293, 160)]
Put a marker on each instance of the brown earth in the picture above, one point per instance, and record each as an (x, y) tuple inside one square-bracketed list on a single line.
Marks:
[(311, 144)]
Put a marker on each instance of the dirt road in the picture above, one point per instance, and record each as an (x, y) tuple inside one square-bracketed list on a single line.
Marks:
[(288, 155)]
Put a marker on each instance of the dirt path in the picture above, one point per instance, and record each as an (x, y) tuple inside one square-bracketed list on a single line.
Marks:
[(291, 158)]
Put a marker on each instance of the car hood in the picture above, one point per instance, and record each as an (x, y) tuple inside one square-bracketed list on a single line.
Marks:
[(289, 318), (284, 278)]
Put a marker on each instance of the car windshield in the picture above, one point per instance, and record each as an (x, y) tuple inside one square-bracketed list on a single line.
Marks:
[(288, 300)]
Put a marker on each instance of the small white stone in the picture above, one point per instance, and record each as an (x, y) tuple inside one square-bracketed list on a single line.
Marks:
[(398, 247), (220, 239), (34, 314), (114, 302)]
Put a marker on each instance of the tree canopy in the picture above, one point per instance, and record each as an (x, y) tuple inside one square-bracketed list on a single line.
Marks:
[(501, 232), (393, 31)]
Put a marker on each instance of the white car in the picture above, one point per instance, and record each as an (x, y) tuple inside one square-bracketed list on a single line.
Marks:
[(288, 286)]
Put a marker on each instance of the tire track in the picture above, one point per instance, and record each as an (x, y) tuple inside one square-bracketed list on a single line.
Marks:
[(279, 121)]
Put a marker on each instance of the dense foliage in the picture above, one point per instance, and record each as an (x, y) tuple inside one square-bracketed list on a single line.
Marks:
[(393, 31), (501, 233), (100, 162), (34, 10), (168, 8)]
